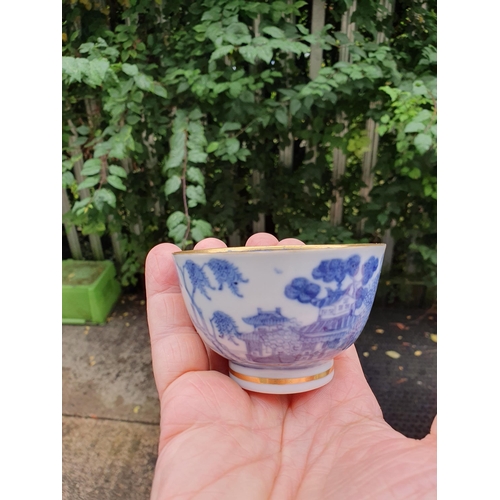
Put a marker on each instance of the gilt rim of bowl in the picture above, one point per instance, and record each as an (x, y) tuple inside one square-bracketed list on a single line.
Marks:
[(277, 247)]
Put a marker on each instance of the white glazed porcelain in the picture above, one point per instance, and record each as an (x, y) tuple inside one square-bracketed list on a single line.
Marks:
[(280, 314)]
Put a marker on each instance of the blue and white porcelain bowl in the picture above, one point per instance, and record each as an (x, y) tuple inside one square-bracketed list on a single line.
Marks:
[(280, 314)]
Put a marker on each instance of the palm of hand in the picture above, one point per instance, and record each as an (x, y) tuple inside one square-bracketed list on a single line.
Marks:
[(218, 441)]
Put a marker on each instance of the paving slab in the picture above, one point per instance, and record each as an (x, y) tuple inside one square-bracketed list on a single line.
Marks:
[(107, 368), (107, 459), (110, 404)]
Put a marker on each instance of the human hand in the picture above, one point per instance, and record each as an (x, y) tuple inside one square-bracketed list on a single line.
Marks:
[(218, 441)]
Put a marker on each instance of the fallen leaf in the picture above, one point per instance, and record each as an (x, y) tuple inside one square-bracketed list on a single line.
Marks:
[(400, 368), (136, 409), (401, 380), (399, 325), (374, 347), (93, 415), (71, 275), (433, 337), (418, 353), (125, 314), (91, 360), (366, 354), (393, 354), (86, 331), (379, 330), (127, 324)]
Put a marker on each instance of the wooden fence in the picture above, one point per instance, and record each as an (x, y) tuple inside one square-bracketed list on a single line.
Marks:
[(286, 152)]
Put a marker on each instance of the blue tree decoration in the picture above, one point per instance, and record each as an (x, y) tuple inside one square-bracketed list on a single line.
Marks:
[(332, 296), (352, 265), (361, 294), (226, 273), (198, 278), (369, 268), (331, 270), (302, 289), (225, 326)]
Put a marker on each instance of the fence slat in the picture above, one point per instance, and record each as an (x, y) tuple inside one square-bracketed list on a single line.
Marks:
[(71, 232), (339, 158), (258, 226), (317, 24), (286, 154), (95, 241)]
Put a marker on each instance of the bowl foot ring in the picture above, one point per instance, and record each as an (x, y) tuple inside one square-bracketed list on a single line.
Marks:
[(287, 381)]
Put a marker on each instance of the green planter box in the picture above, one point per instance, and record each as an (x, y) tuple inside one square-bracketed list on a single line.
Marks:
[(89, 291)]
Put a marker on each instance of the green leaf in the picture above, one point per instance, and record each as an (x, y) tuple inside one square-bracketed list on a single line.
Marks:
[(196, 114), (144, 82), (194, 174), (232, 145), (116, 182), (265, 53), (212, 147), (133, 119), (74, 68), (249, 53), (238, 34), (83, 130), (195, 195), (67, 179), (295, 105), (221, 52), (423, 116), (130, 69), (91, 167), (102, 196), (159, 90), (414, 127), (119, 171), (172, 185), (85, 48), (274, 32), (176, 150), (423, 142), (247, 96), (415, 173), (175, 219), (200, 229), (419, 88), (89, 182), (282, 116), (97, 71), (177, 233), (228, 126), (80, 204), (195, 156), (213, 14)]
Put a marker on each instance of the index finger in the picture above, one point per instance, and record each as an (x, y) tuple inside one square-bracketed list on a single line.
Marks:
[(176, 348)]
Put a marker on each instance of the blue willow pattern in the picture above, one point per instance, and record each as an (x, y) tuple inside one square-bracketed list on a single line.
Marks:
[(341, 316)]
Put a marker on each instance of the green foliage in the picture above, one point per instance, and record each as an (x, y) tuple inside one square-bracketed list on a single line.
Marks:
[(171, 107)]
